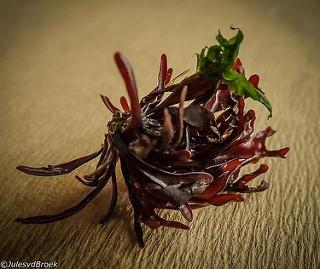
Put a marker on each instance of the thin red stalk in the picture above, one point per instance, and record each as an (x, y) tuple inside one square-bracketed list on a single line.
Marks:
[(248, 177), (162, 77), (128, 77), (221, 199), (113, 109), (124, 104)]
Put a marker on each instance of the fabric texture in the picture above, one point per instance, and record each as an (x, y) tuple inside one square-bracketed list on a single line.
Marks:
[(56, 57)]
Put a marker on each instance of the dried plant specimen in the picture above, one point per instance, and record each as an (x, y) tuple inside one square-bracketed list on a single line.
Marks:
[(173, 154)]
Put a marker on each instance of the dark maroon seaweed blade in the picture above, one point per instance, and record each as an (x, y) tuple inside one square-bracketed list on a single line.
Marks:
[(58, 169)]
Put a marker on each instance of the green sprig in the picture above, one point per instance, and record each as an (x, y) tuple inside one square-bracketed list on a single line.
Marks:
[(219, 59)]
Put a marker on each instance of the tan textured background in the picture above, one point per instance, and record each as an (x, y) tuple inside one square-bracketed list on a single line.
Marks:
[(56, 57)]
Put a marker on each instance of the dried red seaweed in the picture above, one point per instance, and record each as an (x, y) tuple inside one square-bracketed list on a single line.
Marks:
[(173, 156)]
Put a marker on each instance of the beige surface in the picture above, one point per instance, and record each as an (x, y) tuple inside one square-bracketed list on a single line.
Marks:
[(56, 57)]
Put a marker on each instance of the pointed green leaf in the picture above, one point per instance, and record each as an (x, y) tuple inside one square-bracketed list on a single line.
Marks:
[(239, 84)]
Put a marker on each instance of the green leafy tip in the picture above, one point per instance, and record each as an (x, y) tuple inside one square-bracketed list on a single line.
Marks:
[(219, 59), (239, 84)]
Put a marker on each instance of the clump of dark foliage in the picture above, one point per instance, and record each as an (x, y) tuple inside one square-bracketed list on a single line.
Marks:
[(175, 155)]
